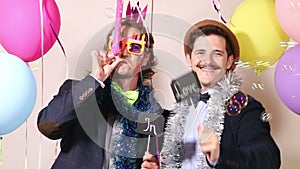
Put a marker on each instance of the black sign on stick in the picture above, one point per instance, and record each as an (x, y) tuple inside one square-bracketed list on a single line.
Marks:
[(185, 86), (150, 124)]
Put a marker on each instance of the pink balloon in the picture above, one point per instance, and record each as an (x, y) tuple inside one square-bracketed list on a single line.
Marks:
[(20, 30), (288, 15), (287, 78)]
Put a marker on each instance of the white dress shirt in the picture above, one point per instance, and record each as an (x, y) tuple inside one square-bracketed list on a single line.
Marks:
[(195, 117)]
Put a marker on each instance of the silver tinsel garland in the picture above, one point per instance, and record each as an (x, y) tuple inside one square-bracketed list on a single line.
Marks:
[(171, 153)]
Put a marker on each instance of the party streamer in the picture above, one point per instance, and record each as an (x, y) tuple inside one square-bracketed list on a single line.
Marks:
[(1, 152), (157, 151), (152, 4), (59, 42), (218, 9), (42, 71), (26, 147)]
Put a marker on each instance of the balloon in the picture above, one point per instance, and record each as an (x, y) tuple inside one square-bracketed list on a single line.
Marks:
[(288, 14), (18, 92), (20, 30), (287, 78), (258, 32)]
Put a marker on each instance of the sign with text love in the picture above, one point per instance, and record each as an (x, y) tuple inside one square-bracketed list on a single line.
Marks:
[(185, 86)]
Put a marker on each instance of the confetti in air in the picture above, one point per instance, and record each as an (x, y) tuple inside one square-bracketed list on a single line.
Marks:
[(265, 117), (258, 86), (287, 44), (243, 64)]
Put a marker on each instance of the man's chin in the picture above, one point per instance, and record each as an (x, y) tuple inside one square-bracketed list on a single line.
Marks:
[(122, 74)]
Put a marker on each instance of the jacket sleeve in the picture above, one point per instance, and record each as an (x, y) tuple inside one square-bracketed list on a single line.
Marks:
[(246, 142), (56, 119)]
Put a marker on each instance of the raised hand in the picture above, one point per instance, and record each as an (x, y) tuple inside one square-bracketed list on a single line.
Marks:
[(149, 161), (107, 62), (209, 142)]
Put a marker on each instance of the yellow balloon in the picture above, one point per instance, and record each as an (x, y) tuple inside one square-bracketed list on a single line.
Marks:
[(259, 33)]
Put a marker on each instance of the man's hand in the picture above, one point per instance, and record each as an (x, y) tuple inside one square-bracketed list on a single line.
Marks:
[(211, 146), (107, 62), (149, 161)]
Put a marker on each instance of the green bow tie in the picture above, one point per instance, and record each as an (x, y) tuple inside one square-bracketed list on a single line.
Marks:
[(131, 96)]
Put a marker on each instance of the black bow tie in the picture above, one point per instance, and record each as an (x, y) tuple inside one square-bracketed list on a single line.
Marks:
[(204, 97)]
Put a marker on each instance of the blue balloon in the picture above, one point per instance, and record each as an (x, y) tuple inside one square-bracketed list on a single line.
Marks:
[(18, 92)]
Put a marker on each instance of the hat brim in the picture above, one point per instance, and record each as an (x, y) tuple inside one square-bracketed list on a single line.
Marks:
[(207, 22)]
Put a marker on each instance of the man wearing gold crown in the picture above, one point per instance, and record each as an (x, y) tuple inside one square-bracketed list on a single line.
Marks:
[(96, 118)]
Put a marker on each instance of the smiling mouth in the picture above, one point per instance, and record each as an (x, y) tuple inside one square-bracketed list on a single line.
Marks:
[(208, 69)]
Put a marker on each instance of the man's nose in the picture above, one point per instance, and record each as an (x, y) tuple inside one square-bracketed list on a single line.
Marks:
[(207, 58), (124, 53)]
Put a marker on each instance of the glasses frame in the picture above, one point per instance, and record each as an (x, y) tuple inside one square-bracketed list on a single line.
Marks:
[(127, 43)]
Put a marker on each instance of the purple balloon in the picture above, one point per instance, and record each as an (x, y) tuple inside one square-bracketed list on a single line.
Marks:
[(287, 78)]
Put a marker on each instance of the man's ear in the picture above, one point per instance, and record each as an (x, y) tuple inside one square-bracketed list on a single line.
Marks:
[(188, 60), (146, 59), (229, 62)]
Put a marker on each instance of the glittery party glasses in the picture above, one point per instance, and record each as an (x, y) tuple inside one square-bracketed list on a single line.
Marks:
[(133, 46)]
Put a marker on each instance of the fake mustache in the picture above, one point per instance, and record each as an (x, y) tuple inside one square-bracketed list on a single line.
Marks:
[(209, 66)]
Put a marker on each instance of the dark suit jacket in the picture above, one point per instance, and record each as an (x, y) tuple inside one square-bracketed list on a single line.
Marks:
[(79, 115), (246, 142)]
